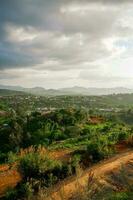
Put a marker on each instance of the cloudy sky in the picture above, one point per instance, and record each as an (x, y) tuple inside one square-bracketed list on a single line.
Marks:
[(64, 43)]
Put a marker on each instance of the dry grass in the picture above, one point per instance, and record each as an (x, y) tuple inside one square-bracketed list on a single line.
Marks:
[(62, 154)]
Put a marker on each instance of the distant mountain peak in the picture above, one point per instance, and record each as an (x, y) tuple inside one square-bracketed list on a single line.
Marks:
[(75, 90)]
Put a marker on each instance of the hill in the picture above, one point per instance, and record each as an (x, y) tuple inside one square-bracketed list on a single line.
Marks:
[(6, 92), (70, 91)]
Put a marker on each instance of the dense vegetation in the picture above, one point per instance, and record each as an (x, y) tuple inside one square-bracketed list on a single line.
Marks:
[(70, 128), (89, 133)]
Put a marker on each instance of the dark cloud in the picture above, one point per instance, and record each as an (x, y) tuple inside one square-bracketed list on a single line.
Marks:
[(30, 12), (57, 35), (11, 58), (41, 13)]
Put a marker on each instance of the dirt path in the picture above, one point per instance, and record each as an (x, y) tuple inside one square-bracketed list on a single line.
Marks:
[(10, 177), (70, 186)]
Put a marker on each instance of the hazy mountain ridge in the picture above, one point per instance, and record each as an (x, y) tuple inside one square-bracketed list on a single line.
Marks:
[(7, 92), (70, 91)]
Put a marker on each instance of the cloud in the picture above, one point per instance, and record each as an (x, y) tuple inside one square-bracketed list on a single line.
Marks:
[(99, 77), (11, 57), (8, 76), (61, 36)]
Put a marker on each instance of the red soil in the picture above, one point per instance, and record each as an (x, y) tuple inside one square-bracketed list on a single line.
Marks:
[(9, 178), (95, 120)]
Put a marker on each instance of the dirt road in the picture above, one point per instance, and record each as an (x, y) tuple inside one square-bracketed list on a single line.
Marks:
[(70, 186), (10, 177)]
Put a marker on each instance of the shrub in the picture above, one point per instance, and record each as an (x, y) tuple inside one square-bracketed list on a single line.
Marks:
[(12, 157), (122, 136), (25, 190), (94, 151), (36, 165), (75, 162), (3, 157), (42, 169), (99, 149), (22, 191), (11, 194), (130, 141), (120, 196)]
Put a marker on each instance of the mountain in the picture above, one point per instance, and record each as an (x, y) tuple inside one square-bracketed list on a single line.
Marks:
[(7, 92), (69, 91), (7, 87), (97, 91)]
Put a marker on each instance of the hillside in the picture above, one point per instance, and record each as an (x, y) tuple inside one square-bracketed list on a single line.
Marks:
[(10, 177)]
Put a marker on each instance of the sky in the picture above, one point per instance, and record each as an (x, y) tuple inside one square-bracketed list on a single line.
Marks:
[(66, 43)]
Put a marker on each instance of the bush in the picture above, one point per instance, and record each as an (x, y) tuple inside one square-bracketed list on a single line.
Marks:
[(41, 171), (36, 165), (122, 136), (3, 157), (25, 190), (76, 160), (99, 149), (11, 194), (22, 191), (12, 157), (120, 196), (94, 151), (130, 141)]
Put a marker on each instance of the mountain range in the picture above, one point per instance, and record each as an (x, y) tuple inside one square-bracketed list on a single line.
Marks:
[(69, 91)]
